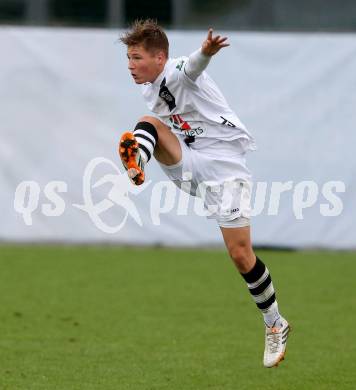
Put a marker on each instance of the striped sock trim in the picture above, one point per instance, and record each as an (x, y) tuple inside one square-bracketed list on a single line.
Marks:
[(260, 285), (146, 135)]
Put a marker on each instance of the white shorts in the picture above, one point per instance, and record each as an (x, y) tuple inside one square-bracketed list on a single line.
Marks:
[(217, 174)]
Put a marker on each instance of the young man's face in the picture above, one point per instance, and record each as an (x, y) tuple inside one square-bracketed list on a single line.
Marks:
[(145, 66)]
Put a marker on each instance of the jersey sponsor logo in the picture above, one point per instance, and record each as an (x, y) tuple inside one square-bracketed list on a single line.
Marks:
[(194, 132), (180, 65), (226, 122), (166, 95), (179, 123)]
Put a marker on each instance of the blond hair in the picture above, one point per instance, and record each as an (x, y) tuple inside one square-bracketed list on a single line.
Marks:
[(149, 34)]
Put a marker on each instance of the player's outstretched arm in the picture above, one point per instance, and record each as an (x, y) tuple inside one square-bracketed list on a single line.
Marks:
[(199, 60)]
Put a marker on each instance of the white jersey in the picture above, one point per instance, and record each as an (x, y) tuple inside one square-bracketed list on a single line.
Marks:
[(196, 109)]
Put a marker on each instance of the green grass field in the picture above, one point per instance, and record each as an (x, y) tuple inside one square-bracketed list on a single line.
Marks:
[(111, 318)]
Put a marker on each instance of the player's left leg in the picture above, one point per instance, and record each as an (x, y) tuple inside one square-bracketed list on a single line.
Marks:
[(259, 283)]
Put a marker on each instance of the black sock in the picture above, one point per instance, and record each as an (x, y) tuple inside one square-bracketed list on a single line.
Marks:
[(146, 135), (260, 285)]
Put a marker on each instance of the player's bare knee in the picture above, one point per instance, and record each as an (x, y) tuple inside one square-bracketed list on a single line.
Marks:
[(148, 118), (159, 125), (242, 256)]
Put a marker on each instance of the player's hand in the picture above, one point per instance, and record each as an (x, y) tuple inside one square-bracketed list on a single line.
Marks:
[(213, 44)]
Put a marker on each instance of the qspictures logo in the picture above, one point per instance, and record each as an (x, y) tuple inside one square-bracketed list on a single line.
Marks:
[(121, 195), (121, 199)]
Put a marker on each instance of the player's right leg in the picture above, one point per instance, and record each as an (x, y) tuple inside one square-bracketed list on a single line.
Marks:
[(259, 282), (150, 137)]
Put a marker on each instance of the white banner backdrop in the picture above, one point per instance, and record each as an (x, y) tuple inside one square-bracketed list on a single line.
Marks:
[(66, 96)]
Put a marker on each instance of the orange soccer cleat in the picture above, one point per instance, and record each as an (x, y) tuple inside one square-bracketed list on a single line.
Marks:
[(130, 155)]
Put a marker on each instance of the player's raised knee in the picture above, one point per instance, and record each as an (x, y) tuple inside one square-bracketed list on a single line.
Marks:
[(156, 126), (147, 118), (152, 120)]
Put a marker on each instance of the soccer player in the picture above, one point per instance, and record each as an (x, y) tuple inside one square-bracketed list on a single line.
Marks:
[(198, 139)]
